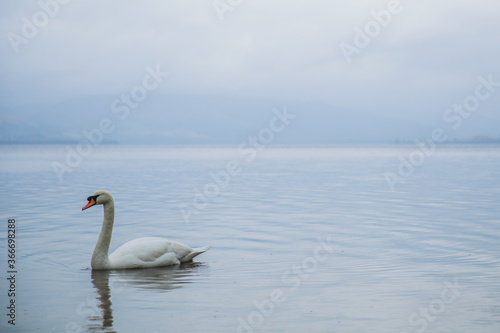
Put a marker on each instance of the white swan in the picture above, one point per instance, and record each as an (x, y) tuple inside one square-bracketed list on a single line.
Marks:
[(139, 253)]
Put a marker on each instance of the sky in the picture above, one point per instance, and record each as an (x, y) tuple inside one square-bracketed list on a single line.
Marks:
[(213, 71)]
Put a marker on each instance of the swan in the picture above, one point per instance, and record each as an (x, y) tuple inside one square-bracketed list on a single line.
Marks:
[(139, 253)]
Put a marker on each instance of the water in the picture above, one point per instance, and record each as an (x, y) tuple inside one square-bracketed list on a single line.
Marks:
[(303, 239)]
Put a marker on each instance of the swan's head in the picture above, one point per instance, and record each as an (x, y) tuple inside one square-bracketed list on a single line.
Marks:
[(98, 198)]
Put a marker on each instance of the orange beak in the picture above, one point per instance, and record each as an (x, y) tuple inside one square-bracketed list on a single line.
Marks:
[(89, 204)]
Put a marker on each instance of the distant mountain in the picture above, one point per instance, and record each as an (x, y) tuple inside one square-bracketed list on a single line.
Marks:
[(178, 119), (479, 139), (16, 131), (21, 131)]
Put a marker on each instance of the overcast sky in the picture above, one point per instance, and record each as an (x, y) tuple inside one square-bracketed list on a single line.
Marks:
[(425, 57)]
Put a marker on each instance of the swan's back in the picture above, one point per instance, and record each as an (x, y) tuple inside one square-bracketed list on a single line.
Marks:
[(152, 252)]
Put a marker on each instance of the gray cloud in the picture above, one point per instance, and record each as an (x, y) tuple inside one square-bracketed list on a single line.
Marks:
[(278, 53)]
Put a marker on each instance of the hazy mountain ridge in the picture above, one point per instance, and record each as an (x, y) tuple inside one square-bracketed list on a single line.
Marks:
[(218, 120)]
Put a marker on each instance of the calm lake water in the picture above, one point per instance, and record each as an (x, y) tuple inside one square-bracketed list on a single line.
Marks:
[(304, 239)]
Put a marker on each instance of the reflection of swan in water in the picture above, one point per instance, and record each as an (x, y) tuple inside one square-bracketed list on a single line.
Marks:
[(165, 278), (161, 279), (100, 280)]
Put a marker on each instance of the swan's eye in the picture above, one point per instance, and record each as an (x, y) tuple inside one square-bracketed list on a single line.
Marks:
[(93, 197)]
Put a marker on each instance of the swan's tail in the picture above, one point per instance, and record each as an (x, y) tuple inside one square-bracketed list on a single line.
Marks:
[(195, 252)]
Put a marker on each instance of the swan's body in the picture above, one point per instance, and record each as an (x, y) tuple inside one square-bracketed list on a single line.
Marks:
[(152, 252), (139, 253)]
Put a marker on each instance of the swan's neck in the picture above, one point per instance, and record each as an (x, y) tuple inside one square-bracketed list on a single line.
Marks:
[(100, 259)]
